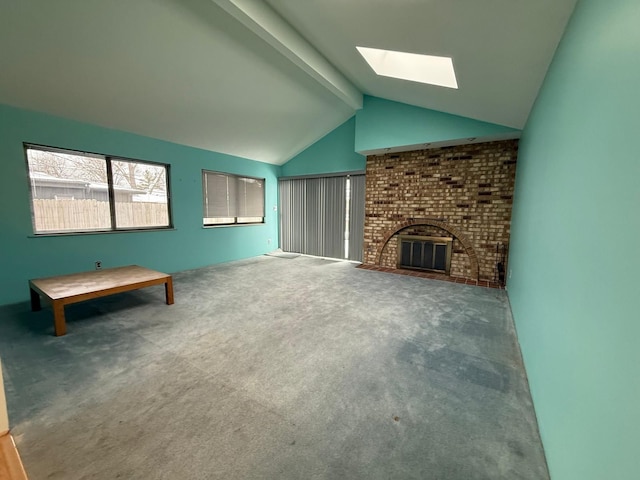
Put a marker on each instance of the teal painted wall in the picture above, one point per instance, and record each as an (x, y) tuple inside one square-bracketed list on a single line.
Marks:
[(383, 124), (386, 124), (188, 246), (575, 284), (331, 154)]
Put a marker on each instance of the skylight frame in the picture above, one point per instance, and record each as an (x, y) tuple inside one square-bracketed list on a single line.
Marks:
[(414, 67)]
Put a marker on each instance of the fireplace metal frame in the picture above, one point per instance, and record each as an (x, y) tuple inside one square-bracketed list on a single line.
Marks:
[(446, 241)]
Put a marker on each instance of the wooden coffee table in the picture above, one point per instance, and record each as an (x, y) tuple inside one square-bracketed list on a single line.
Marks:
[(77, 287)]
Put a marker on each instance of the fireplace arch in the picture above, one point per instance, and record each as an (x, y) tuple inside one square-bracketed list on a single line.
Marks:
[(473, 259)]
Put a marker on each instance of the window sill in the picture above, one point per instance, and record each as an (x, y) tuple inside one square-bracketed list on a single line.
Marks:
[(100, 232), (207, 227)]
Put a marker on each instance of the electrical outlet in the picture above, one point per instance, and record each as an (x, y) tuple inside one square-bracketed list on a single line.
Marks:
[(268, 241), (98, 265), (510, 271)]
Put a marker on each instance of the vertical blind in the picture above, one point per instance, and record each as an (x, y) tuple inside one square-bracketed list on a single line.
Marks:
[(356, 218), (313, 216)]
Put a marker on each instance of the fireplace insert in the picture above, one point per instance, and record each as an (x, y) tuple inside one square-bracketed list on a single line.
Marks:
[(425, 253)]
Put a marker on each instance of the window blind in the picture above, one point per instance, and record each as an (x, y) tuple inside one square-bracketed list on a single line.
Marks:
[(313, 216), (356, 217), (229, 199)]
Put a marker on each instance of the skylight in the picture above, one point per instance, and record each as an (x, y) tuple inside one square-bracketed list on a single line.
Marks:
[(411, 66)]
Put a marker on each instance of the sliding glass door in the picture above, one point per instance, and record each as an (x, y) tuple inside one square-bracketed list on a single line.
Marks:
[(323, 216), (355, 221)]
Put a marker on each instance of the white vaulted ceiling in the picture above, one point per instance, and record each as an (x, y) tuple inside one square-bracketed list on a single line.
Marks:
[(501, 49), (265, 79)]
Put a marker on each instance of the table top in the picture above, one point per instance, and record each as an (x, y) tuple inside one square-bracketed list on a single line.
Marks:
[(74, 284)]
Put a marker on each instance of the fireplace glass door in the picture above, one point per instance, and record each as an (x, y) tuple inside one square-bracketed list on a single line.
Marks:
[(425, 253)]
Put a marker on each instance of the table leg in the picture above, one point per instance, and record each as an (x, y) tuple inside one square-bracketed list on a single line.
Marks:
[(35, 301), (60, 326), (168, 291)]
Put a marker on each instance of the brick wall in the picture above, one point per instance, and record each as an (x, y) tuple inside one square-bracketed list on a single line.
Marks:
[(463, 192)]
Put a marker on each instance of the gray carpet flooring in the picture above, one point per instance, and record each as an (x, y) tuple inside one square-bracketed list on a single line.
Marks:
[(272, 368)]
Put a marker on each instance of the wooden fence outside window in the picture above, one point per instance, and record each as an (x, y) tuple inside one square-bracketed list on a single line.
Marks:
[(79, 215)]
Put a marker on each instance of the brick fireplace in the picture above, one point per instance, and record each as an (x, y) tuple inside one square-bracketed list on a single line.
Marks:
[(463, 193)]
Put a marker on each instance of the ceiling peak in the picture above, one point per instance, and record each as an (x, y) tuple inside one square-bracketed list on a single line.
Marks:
[(258, 17)]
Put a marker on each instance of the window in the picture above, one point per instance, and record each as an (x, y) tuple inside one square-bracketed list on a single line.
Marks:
[(230, 199), (76, 192)]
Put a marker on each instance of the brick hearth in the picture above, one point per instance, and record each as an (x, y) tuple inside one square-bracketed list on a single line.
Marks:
[(432, 276)]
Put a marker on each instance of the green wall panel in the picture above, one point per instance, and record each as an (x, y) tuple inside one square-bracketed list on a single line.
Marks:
[(386, 124), (574, 285), (331, 154), (23, 256)]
